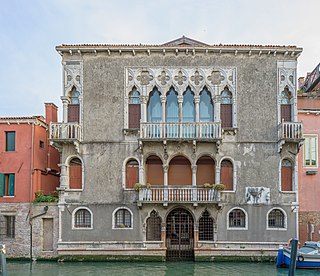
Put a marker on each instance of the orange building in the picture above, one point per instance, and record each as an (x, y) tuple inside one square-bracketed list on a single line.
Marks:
[(28, 164), (308, 170)]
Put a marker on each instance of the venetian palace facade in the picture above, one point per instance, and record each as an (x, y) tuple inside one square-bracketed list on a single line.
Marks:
[(175, 118)]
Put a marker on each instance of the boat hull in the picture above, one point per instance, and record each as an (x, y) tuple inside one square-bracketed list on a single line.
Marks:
[(303, 260)]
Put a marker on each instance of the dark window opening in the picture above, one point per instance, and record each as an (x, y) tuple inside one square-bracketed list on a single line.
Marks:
[(237, 218), (154, 227), (123, 219), (82, 219), (206, 227), (10, 141), (276, 219)]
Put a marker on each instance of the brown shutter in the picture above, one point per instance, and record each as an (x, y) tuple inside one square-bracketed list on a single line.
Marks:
[(227, 174), (205, 171), (154, 170), (226, 115), (73, 112), (286, 178), (132, 173), (180, 171), (75, 176), (134, 115), (286, 112)]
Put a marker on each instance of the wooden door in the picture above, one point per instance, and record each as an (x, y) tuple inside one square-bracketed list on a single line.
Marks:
[(286, 112), (227, 174)]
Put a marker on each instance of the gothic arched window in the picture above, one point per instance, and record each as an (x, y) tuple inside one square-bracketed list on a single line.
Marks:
[(154, 227), (226, 109), (206, 227), (134, 109)]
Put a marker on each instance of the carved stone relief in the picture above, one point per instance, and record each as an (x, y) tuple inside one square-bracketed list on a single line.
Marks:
[(73, 74), (257, 195)]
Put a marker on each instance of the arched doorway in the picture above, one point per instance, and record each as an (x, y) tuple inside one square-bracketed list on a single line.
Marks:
[(179, 235)]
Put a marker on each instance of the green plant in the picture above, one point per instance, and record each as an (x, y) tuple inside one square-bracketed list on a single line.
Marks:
[(207, 185), (219, 187), (50, 197), (137, 187)]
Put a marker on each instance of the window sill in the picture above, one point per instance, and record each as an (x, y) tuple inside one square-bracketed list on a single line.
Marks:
[(8, 196)]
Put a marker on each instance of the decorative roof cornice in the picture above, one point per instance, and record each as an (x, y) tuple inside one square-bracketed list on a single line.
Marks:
[(37, 120)]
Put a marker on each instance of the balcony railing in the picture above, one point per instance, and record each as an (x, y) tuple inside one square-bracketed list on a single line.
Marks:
[(178, 194), (199, 130), (290, 131), (65, 131)]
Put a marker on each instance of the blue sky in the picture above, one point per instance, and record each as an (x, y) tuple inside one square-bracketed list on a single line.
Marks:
[(30, 68)]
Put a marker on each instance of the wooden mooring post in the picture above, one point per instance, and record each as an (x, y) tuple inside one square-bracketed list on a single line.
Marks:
[(3, 262)]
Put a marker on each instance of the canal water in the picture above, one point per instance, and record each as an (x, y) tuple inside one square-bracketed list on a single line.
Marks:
[(146, 269)]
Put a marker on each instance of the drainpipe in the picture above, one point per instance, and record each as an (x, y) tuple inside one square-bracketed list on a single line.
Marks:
[(30, 188)]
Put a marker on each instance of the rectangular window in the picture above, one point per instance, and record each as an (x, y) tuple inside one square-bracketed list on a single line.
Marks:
[(10, 226), (10, 140), (311, 151), (41, 144), (7, 184)]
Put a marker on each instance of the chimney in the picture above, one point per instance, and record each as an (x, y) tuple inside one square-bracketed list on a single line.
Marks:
[(51, 112)]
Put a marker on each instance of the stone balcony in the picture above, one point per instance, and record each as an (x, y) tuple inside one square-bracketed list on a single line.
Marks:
[(290, 132), (181, 131), (63, 133), (178, 194)]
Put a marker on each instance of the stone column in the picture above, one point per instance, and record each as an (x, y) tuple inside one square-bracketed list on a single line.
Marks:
[(165, 175), (216, 108), (65, 103), (64, 179), (143, 102), (180, 101), (217, 180), (163, 234), (196, 235), (197, 107), (194, 175), (163, 103)]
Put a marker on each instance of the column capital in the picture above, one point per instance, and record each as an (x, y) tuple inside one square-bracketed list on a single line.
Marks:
[(180, 99), (196, 99), (163, 99), (143, 99), (65, 99), (194, 168)]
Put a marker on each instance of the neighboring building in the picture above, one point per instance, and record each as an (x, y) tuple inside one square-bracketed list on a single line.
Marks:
[(174, 117), (28, 164), (309, 173)]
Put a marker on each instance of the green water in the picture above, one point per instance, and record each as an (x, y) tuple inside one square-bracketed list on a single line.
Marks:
[(143, 269)]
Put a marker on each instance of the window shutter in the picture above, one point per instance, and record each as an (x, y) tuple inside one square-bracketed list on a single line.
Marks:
[(134, 115), (286, 112), (75, 176), (226, 115), (73, 112), (11, 185), (2, 184), (227, 175), (132, 174), (286, 178)]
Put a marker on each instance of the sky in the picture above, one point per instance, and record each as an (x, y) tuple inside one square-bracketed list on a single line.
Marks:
[(30, 67)]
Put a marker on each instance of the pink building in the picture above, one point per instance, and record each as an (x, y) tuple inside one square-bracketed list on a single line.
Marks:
[(28, 164), (309, 173)]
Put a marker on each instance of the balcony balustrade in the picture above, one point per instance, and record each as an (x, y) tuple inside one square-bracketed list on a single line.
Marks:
[(178, 194), (289, 131), (64, 132), (193, 130)]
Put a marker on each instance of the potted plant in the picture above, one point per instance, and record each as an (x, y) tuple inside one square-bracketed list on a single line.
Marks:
[(207, 185), (219, 187), (137, 187)]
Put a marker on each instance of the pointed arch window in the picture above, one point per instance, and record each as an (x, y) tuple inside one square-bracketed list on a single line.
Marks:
[(154, 107), (154, 227), (74, 106), (134, 109), (227, 174), (206, 106), (286, 175), (285, 98), (132, 173), (226, 109), (75, 173), (172, 107), (206, 227), (188, 110)]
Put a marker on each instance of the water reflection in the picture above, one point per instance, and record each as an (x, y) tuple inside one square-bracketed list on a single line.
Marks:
[(147, 269)]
